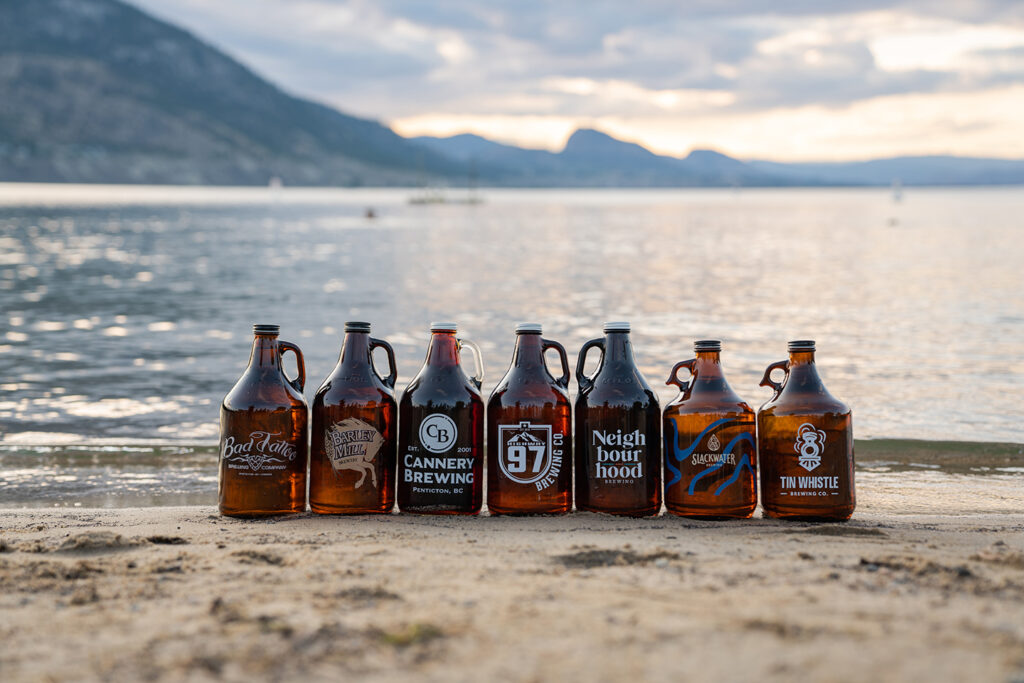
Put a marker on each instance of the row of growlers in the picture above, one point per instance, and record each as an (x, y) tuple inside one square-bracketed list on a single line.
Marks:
[(428, 448)]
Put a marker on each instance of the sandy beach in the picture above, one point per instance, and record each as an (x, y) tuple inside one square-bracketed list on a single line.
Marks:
[(910, 589)]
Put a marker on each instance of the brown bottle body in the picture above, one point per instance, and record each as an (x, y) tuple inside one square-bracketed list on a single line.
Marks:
[(529, 434), (263, 436), (441, 435), (710, 445), (355, 433), (618, 434), (805, 445)]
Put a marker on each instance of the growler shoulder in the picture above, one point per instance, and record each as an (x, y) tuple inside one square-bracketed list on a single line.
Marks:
[(619, 394), (262, 394), (726, 406), (336, 392), (245, 401), (435, 390), (531, 395), (805, 405)]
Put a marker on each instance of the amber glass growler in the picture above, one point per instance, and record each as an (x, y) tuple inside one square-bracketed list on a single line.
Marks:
[(710, 451), (804, 444), (441, 431), (618, 431), (355, 430), (529, 432), (263, 433)]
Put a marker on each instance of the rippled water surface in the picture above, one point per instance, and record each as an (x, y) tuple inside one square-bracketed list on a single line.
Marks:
[(125, 313)]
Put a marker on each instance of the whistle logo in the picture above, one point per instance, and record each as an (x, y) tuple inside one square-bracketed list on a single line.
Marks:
[(810, 443), (438, 433)]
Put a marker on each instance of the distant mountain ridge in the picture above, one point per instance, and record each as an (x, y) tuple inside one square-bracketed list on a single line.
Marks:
[(99, 91), (592, 158)]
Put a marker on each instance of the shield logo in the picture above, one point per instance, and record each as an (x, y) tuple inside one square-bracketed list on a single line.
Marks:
[(524, 451)]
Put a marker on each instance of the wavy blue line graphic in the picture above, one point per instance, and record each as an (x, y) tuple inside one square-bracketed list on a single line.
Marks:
[(672, 451), (670, 443), (744, 462), (745, 436), (672, 446)]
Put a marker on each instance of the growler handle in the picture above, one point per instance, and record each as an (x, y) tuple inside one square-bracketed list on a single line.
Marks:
[(389, 381), (581, 379), (478, 360), (546, 344), (673, 377), (767, 380), (299, 382)]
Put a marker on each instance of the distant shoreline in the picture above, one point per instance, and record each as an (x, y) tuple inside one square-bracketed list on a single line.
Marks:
[(456, 186)]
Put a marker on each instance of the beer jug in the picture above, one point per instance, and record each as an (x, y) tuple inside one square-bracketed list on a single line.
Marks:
[(618, 431), (804, 444), (710, 451), (529, 432), (354, 438), (263, 433), (441, 431)]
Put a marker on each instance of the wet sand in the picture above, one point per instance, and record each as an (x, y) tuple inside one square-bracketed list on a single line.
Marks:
[(915, 587)]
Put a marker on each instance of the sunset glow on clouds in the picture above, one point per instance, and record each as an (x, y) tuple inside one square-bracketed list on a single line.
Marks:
[(809, 81)]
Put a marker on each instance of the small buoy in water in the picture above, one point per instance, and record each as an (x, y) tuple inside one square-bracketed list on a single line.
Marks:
[(370, 213)]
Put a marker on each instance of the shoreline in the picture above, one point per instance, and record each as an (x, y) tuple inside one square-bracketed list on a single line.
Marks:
[(42, 477), (172, 593)]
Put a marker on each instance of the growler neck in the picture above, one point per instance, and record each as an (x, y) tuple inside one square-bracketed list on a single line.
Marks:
[(618, 348), (443, 350), (708, 377), (709, 365), (355, 350), (803, 374), (265, 352), (529, 353)]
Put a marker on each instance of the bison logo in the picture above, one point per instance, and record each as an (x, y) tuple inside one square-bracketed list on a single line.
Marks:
[(353, 445)]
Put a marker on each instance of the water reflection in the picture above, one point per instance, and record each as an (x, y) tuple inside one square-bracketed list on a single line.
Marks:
[(127, 312), (107, 476)]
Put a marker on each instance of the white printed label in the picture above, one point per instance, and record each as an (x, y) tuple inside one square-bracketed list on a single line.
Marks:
[(618, 457), (438, 433), (262, 452), (810, 443), (353, 445), (530, 454)]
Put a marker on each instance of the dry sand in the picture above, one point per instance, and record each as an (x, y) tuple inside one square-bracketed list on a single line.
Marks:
[(181, 593)]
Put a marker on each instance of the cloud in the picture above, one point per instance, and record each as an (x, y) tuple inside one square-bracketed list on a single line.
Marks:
[(577, 60)]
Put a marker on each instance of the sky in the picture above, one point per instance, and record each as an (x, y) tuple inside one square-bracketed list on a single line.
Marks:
[(789, 80)]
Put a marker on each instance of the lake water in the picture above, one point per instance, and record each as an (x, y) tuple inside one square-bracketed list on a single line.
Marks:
[(126, 312)]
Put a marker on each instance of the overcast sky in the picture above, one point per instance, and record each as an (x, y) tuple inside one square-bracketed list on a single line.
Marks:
[(805, 79)]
